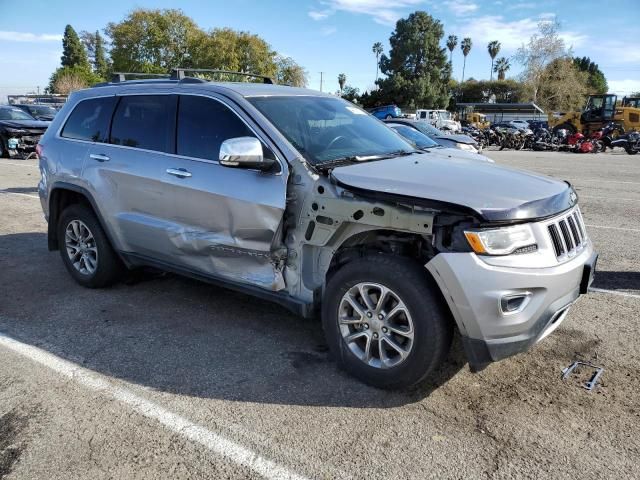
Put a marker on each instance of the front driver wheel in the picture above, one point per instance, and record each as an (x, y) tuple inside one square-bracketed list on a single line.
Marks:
[(385, 321)]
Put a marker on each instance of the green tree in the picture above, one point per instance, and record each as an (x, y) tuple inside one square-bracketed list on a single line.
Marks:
[(493, 48), (351, 93), (452, 43), (94, 46), (501, 67), (504, 91), (563, 86), (342, 79), (69, 79), (417, 69), (377, 51), (544, 47), (288, 72), (73, 53), (597, 82), (227, 49), (465, 46), (100, 64), (152, 41)]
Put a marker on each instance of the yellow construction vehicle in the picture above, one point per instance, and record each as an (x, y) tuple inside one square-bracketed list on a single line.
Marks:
[(478, 120), (598, 111)]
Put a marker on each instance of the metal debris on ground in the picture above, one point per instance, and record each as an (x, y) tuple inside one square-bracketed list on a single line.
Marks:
[(593, 381)]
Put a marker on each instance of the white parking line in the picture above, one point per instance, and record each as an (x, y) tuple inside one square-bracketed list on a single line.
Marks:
[(611, 198), (613, 228), (182, 426), (614, 292), (21, 194), (19, 164)]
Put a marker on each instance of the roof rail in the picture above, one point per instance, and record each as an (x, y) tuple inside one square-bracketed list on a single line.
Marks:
[(179, 74), (117, 77)]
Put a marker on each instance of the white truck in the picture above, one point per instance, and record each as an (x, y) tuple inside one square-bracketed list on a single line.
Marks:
[(440, 119)]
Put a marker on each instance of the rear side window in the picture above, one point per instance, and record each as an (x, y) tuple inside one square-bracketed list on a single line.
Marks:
[(203, 124), (90, 120), (144, 121)]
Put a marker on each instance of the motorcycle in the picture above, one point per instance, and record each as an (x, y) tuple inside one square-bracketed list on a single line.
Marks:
[(603, 137), (630, 142)]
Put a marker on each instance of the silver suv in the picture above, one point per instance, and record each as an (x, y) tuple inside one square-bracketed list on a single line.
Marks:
[(307, 200)]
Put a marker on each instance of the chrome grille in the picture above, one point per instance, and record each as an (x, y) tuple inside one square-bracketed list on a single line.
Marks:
[(567, 234)]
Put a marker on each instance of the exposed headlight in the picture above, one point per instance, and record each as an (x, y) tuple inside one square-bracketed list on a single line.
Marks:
[(466, 146), (502, 241), (16, 131)]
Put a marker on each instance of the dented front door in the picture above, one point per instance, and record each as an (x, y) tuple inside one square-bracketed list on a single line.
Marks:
[(228, 220)]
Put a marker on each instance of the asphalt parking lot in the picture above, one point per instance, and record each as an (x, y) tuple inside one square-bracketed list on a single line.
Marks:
[(164, 377)]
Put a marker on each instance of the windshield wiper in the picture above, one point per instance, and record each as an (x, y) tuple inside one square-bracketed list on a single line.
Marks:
[(363, 158)]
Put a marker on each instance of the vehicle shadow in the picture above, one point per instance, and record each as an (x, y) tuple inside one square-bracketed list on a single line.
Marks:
[(181, 336), (617, 280)]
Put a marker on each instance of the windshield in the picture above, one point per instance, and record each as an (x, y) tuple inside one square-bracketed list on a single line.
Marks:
[(428, 129), (14, 114), (42, 110), (419, 138), (445, 115), (327, 129)]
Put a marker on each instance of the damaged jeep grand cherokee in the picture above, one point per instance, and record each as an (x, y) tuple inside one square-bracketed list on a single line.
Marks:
[(307, 200)]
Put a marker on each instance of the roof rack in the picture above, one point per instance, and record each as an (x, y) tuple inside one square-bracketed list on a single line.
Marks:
[(179, 74), (117, 77)]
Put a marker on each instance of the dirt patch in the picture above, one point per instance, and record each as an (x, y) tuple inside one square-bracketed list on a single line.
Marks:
[(12, 426)]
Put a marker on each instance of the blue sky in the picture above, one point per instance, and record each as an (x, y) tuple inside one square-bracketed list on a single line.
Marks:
[(335, 36)]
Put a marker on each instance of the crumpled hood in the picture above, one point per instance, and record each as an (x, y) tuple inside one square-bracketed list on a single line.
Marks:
[(25, 124), (495, 193)]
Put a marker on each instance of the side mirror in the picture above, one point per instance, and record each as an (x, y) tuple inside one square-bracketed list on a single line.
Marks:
[(244, 152)]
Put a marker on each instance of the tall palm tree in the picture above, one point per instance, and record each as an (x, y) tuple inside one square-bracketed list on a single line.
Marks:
[(342, 79), (452, 43), (377, 50), (465, 45), (494, 49), (501, 67)]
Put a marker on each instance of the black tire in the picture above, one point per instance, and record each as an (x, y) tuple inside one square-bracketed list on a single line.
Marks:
[(108, 267), (432, 324), (631, 151), (4, 152)]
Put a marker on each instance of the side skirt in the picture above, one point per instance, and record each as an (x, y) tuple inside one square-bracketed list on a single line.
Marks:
[(299, 307)]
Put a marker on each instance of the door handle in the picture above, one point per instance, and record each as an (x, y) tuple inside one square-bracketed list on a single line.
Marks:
[(99, 157), (179, 172)]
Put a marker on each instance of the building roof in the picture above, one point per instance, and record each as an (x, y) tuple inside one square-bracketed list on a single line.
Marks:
[(484, 107)]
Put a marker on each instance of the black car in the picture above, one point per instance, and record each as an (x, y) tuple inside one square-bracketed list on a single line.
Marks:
[(459, 141), (19, 132), (39, 112)]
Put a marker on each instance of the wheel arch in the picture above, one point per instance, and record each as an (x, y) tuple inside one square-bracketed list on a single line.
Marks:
[(63, 194)]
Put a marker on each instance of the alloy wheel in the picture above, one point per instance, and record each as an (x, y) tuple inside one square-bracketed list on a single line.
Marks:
[(376, 325), (81, 247)]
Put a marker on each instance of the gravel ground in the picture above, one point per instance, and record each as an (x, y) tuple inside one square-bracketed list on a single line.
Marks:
[(164, 377)]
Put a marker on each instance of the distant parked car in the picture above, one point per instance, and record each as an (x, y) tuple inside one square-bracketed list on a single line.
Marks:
[(459, 141), (386, 112), (538, 124), (19, 132), (425, 143), (39, 112)]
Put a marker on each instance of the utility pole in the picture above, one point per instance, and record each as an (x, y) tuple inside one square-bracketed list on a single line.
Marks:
[(321, 73)]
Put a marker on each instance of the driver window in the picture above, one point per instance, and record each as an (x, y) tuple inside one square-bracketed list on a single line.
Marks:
[(203, 124)]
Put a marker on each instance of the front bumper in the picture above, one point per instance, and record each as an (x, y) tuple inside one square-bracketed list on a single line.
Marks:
[(474, 289)]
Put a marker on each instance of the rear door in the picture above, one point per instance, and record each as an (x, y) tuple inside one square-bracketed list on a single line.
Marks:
[(229, 219)]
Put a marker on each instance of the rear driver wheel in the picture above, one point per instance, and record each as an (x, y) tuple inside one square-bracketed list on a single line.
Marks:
[(85, 249), (385, 321)]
